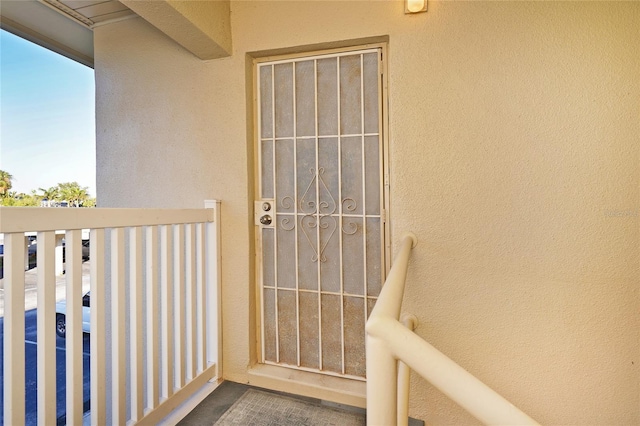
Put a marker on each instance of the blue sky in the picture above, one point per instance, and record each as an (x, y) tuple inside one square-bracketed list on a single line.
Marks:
[(47, 118)]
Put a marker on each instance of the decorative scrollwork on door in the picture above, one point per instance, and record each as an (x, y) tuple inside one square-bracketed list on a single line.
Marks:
[(324, 222), (287, 202), (318, 212), (328, 204), (349, 227), (287, 224)]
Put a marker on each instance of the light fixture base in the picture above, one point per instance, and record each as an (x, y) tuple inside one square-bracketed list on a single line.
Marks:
[(415, 6)]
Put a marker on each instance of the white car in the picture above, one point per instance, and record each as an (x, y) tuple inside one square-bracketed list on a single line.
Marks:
[(61, 314)]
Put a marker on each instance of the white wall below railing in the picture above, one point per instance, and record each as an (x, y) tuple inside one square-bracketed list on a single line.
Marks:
[(156, 271)]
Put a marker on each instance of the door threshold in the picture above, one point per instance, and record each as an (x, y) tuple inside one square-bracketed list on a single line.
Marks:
[(340, 390)]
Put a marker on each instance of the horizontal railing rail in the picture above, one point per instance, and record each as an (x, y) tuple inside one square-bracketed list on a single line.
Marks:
[(390, 343), (155, 309), (26, 219)]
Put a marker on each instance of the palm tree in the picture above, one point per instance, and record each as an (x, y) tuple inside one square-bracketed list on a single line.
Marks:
[(5, 183), (73, 193), (50, 195), (77, 196)]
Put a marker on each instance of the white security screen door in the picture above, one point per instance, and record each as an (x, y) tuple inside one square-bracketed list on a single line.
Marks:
[(320, 208)]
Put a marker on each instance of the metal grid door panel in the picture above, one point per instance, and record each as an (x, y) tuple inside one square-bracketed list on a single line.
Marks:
[(320, 166)]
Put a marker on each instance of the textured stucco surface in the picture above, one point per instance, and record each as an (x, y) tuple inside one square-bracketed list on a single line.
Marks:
[(515, 159)]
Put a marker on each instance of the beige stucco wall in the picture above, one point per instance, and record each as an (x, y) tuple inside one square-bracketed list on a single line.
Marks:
[(514, 158)]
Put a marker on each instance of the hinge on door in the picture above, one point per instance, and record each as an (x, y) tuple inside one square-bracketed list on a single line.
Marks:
[(386, 179), (383, 216)]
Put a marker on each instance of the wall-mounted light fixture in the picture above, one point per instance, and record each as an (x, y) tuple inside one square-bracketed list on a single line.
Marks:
[(415, 6)]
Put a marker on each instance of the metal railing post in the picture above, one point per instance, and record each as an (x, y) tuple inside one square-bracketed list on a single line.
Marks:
[(404, 377), (382, 366), (382, 383)]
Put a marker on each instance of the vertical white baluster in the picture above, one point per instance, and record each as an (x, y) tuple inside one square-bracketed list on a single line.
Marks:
[(151, 284), (73, 321), (190, 275), (46, 332), (201, 326), (178, 300), (98, 343), (14, 364), (136, 332), (118, 324), (213, 283), (166, 309)]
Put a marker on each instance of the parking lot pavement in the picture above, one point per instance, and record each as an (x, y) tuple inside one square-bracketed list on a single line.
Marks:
[(30, 342), (31, 374), (31, 286)]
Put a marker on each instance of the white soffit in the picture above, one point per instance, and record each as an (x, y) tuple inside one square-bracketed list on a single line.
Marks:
[(91, 12), (63, 26)]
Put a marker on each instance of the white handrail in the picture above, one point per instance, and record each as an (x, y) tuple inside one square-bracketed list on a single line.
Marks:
[(388, 341), (382, 380), (25, 219)]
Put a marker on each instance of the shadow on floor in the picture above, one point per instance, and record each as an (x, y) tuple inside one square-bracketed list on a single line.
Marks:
[(215, 405)]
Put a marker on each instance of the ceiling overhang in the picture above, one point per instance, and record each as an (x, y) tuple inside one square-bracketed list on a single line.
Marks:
[(42, 25), (65, 26)]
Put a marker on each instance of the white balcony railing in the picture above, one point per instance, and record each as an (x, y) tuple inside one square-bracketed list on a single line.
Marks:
[(156, 271), (392, 346)]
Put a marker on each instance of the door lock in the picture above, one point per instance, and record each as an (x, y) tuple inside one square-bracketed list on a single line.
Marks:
[(263, 212), (265, 220)]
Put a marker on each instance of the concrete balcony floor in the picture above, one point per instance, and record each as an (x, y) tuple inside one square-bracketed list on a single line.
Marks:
[(233, 403), (237, 404)]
